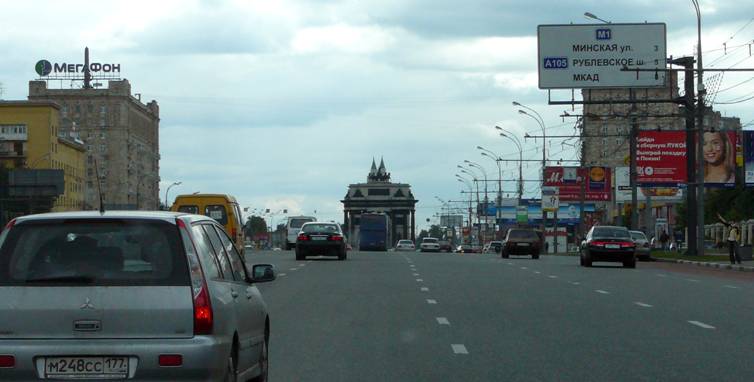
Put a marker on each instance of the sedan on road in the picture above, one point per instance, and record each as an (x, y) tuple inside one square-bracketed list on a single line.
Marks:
[(429, 244), (405, 245), (142, 296), (643, 251), (320, 239), (520, 241), (609, 243)]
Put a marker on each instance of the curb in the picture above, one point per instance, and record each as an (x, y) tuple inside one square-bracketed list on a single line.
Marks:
[(741, 268)]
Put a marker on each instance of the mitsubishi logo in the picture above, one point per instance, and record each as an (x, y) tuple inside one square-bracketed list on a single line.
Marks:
[(87, 304)]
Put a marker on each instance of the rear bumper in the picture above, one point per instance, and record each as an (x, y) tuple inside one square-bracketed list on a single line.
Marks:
[(516, 250), (405, 249), (204, 358), (611, 255), (320, 247)]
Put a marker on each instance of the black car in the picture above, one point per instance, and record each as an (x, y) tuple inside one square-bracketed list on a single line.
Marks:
[(320, 239), (521, 241), (608, 243)]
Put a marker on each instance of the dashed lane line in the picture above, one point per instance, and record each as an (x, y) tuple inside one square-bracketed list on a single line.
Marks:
[(602, 291), (524, 268), (442, 321), (537, 272), (459, 349), (424, 289), (575, 283), (416, 274), (293, 269), (701, 324), (552, 276), (431, 301), (282, 274), (642, 304), (661, 275), (419, 280), (730, 286), (693, 280)]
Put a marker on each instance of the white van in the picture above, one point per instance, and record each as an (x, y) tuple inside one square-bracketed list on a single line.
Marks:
[(294, 227)]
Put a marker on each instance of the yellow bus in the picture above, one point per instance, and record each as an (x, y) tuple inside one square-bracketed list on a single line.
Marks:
[(223, 208)]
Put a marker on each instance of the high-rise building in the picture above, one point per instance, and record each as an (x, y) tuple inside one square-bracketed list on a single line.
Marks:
[(121, 136)]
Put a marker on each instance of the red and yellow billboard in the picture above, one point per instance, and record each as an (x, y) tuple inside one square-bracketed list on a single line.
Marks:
[(597, 182)]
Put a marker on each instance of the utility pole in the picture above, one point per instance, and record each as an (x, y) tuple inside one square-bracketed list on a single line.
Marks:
[(691, 175), (700, 133), (632, 155)]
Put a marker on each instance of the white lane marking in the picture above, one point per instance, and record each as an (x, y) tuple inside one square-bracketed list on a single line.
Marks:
[(537, 272), (576, 283), (701, 324), (293, 269), (302, 265), (459, 349), (730, 286), (552, 276), (431, 301), (693, 280), (644, 305), (416, 274), (424, 289), (282, 274), (524, 268), (308, 261), (442, 321), (602, 291), (510, 263), (661, 275), (419, 280)]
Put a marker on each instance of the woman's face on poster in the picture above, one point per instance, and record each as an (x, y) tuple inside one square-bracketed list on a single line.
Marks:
[(714, 148)]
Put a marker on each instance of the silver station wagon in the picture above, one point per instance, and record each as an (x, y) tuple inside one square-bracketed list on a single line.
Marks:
[(142, 296)]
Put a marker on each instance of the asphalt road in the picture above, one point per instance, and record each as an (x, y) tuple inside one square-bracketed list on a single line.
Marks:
[(451, 317)]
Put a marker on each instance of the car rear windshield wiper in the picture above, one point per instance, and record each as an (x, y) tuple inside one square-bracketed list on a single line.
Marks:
[(63, 279)]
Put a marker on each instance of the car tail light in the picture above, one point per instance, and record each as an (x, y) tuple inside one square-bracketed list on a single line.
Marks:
[(203, 316), (627, 245), (7, 361), (335, 238), (302, 237), (10, 224), (597, 244), (170, 360)]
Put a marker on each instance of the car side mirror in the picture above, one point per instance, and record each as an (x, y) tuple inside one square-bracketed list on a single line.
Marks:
[(262, 273)]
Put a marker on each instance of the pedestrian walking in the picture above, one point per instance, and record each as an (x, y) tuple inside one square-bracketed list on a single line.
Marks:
[(664, 238), (734, 236)]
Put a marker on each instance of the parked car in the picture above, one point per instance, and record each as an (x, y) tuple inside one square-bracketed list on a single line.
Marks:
[(521, 241), (143, 296), (429, 244), (320, 239), (493, 246), (405, 245), (609, 243), (643, 251)]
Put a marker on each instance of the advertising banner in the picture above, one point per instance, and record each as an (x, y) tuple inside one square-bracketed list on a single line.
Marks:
[(550, 198), (719, 152), (749, 158), (661, 158), (568, 213), (658, 194), (597, 182)]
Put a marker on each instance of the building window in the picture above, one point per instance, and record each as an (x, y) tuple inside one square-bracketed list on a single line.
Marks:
[(102, 148), (89, 148), (102, 135), (103, 109)]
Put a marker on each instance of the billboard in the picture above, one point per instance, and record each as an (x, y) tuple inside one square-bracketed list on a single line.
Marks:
[(748, 143), (661, 158), (661, 194), (592, 55), (568, 180), (720, 158), (550, 199), (568, 213)]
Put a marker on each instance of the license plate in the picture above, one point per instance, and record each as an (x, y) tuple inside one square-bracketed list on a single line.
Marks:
[(522, 244), (319, 238), (86, 367), (612, 246)]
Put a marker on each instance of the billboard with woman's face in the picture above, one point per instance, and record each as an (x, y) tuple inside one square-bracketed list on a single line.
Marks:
[(719, 152)]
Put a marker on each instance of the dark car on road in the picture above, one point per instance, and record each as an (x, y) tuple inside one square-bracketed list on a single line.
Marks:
[(521, 241), (320, 239), (445, 246), (608, 243)]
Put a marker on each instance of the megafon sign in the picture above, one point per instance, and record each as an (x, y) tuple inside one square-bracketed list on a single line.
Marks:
[(46, 68)]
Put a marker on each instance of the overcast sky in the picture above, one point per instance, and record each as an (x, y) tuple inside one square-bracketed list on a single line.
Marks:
[(284, 103)]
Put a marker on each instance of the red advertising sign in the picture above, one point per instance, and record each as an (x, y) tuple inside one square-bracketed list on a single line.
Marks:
[(597, 182), (661, 158)]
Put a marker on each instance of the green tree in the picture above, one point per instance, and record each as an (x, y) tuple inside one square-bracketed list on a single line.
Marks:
[(732, 204), (255, 225)]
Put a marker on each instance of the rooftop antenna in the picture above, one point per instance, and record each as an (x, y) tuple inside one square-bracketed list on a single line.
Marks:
[(87, 73), (99, 187)]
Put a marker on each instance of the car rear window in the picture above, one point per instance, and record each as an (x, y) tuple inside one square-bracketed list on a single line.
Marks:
[(320, 228), (611, 233), (638, 236), (429, 240), (98, 252), (297, 223), (217, 212), (189, 209), (522, 234), (405, 242)]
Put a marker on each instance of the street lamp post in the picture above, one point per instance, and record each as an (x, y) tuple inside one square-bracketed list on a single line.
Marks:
[(498, 160), (168, 190), (701, 91), (538, 118), (520, 148), (486, 199), (468, 184)]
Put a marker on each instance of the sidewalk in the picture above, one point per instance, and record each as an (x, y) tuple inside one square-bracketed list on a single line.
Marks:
[(713, 260)]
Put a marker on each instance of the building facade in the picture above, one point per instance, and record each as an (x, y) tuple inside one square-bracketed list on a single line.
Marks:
[(380, 195), (31, 138), (121, 137)]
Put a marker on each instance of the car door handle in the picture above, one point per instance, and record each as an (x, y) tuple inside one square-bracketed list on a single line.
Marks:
[(234, 294)]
